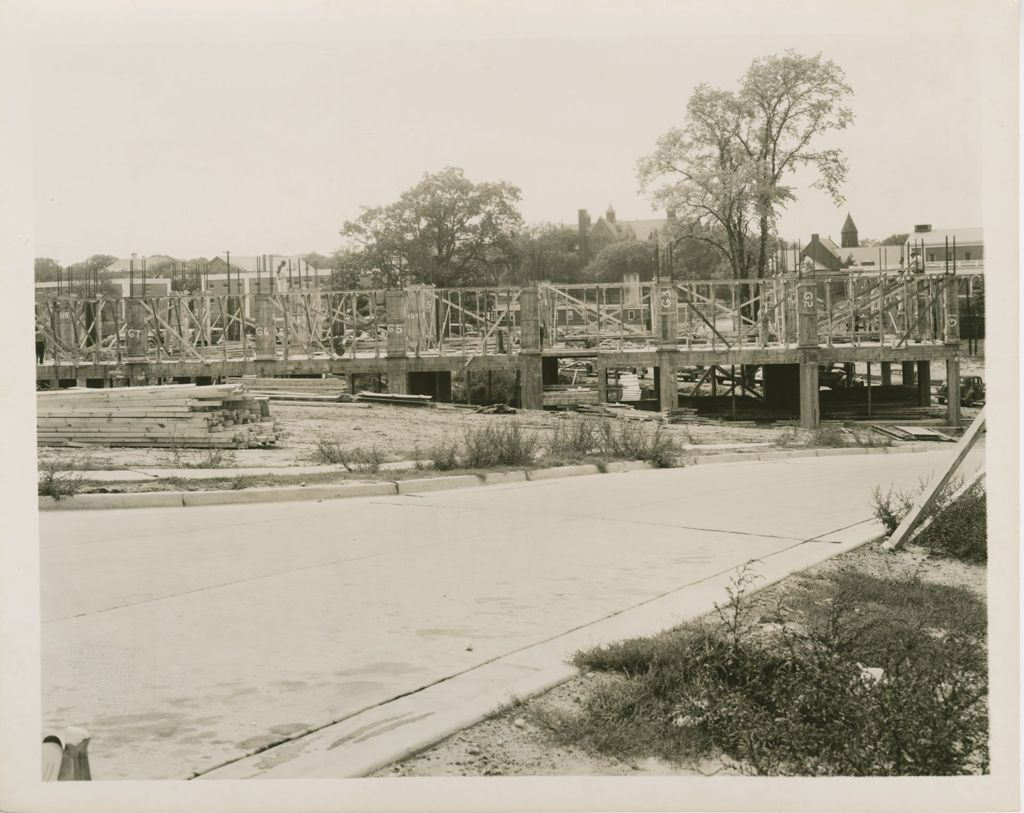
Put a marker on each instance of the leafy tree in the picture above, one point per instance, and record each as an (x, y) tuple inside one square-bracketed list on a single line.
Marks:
[(46, 269), (726, 169), (445, 230), (626, 257), (896, 239), (546, 252)]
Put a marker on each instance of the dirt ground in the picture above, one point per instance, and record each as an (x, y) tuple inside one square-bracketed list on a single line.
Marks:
[(508, 744), (397, 431)]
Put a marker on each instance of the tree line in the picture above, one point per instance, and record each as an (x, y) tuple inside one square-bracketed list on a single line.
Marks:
[(724, 176)]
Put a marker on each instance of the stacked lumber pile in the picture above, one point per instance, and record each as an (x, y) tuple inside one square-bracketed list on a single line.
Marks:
[(294, 389), (395, 399), (629, 383), (170, 416), (565, 397)]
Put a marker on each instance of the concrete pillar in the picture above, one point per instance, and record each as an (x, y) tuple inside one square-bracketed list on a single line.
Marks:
[(886, 373), (531, 381), (602, 383), (263, 316), (951, 312), (924, 383), (953, 391), (136, 332), (667, 328), (909, 376), (807, 315), (810, 413), (666, 382), (398, 378), (529, 320), (394, 313)]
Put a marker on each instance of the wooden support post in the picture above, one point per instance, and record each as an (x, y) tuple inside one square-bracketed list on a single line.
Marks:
[(264, 319), (531, 370), (886, 373), (953, 391), (810, 415), (926, 499), (136, 332), (924, 383)]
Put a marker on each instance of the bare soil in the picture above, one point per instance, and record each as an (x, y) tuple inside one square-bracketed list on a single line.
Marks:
[(512, 743)]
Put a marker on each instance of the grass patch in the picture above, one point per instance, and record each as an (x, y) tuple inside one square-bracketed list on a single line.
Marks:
[(214, 458), (850, 675), (624, 440)]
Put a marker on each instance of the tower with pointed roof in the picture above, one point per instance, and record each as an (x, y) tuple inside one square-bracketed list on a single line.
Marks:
[(849, 239)]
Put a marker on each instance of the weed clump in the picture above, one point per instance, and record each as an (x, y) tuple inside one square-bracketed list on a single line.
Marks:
[(572, 440), (956, 528), (499, 445), (867, 677), (633, 441), (329, 451), (58, 485)]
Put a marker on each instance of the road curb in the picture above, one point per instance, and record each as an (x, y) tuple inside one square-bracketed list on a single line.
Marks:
[(187, 499)]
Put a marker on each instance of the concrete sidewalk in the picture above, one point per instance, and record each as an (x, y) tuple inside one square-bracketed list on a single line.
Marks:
[(188, 641)]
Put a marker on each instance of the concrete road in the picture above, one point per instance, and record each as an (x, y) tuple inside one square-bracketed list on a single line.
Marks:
[(184, 638)]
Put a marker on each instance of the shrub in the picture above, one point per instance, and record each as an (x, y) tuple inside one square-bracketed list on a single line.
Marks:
[(58, 486), (499, 445), (624, 440), (572, 440), (329, 452), (960, 529), (444, 456)]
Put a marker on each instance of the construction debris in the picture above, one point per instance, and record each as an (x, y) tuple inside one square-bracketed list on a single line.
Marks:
[(496, 409), (624, 411), (170, 416)]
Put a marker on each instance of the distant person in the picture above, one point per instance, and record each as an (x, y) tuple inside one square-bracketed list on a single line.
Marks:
[(40, 346)]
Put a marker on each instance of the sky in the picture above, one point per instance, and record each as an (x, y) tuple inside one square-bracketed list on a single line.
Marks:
[(166, 138)]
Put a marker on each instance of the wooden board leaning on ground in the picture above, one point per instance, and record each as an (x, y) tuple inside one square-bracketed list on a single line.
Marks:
[(170, 416)]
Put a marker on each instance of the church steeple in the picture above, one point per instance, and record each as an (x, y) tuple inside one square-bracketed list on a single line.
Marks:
[(610, 214), (849, 239)]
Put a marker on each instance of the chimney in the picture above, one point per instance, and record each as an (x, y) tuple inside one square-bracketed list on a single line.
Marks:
[(584, 233)]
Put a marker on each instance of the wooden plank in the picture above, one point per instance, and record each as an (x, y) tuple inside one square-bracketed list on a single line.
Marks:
[(927, 498)]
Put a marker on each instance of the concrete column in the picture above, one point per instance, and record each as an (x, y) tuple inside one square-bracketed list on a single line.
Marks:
[(394, 313), (136, 332), (531, 381), (909, 376), (263, 316), (667, 328), (924, 383), (668, 382), (951, 303), (807, 315), (953, 391), (398, 377), (529, 320), (886, 373), (810, 413)]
